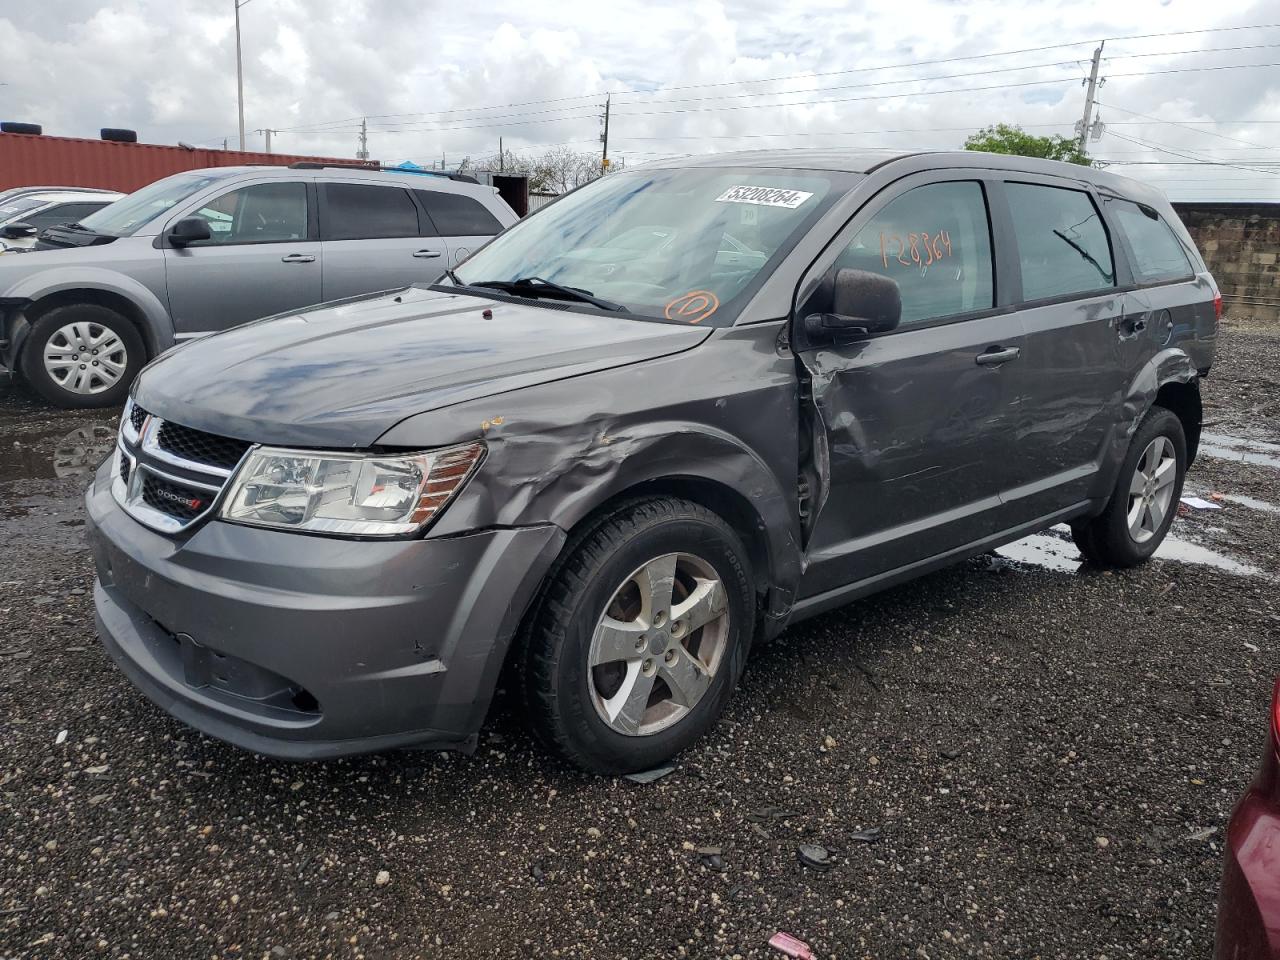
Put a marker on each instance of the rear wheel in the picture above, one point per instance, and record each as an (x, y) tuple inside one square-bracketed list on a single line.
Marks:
[(640, 636), (1145, 500), (82, 355)]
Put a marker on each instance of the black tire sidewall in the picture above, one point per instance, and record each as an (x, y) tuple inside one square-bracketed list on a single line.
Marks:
[(33, 353), (589, 738), (1119, 547)]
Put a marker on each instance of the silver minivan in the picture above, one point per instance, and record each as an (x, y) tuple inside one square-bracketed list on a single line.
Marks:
[(205, 250)]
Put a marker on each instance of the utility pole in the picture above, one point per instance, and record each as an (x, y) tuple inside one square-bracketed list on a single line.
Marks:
[(267, 132), (239, 71), (1082, 132), (604, 138), (502, 160), (363, 152)]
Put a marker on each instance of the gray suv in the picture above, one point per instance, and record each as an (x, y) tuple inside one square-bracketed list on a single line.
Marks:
[(210, 249), (644, 429)]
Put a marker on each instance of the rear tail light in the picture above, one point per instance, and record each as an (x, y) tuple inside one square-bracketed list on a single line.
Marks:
[(1217, 306)]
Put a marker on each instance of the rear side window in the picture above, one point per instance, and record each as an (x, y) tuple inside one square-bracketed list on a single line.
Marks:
[(934, 241), (1062, 243), (358, 211), (457, 216), (1157, 254)]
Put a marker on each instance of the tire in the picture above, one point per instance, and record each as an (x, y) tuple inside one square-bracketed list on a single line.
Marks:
[(55, 335), (1109, 540), (602, 568)]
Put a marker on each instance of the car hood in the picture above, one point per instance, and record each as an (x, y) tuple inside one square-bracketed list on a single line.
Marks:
[(342, 375)]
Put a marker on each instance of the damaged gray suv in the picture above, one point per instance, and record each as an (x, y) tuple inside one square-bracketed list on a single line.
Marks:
[(639, 432)]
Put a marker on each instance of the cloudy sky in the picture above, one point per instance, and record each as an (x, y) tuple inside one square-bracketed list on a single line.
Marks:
[(450, 78)]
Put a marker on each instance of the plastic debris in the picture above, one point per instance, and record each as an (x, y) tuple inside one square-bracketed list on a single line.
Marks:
[(1204, 834), (813, 856), (791, 946), (869, 835), (649, 776), (713, 861), (1199, 503)]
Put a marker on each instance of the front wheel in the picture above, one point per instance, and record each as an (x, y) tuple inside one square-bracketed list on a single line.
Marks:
[(640, 636), (82, 355), (1145, 500)]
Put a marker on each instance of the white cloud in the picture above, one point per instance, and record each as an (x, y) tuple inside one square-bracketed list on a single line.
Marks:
[(435, 76)]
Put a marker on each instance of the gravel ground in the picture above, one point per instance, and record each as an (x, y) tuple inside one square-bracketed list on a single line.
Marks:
[(1049, 756)]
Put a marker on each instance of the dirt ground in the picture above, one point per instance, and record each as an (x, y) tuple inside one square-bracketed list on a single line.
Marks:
[(1049, 755)]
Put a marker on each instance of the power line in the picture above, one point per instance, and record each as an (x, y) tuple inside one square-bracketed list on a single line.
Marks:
[(1164, 148), (886, 96), (1175, 123), (930, 93)]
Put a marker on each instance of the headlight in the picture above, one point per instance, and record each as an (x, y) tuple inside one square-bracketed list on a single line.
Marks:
[(352, 494)]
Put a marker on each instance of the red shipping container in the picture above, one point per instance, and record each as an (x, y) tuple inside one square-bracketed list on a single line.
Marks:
[(28, 160)]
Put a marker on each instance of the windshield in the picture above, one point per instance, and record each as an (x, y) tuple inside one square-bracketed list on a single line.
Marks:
[(688, 245), (14, 209), (124, 217)]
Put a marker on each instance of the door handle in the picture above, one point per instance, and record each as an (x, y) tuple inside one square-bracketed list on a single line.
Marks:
[(994, 356), (297, 258), (427, 254)]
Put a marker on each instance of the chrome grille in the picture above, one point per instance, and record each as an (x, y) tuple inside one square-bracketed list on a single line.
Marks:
[(170, 476)]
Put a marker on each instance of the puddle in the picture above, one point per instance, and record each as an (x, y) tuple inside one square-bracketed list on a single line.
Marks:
[(1251, 502), (56, 452), (1054, 550), (1240, 450)]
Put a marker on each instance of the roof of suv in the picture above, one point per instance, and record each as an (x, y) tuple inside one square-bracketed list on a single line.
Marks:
[(436, 180), (854, 161)]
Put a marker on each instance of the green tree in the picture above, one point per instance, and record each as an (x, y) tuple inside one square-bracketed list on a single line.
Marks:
[(1006, 138)]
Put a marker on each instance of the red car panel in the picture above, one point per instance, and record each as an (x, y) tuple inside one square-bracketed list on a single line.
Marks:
[(1249, 903)]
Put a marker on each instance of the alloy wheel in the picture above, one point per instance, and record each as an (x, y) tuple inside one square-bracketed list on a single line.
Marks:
[(658, 645), (1151, 489)]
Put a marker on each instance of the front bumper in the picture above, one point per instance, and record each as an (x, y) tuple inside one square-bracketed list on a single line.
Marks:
[(1249, 900), (304, 647)]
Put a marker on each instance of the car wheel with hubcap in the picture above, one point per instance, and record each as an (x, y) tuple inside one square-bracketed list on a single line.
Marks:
[(1145, 499), (82, 355), (640, 635)]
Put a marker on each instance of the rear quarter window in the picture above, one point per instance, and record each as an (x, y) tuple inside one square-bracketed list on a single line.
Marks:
[(456, 215), (1157, 254)]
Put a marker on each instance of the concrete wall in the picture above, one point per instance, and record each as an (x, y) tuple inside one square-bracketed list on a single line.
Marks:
[(1240, 243)]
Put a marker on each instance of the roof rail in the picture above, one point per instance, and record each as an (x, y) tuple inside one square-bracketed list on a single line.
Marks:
[(316, 165)]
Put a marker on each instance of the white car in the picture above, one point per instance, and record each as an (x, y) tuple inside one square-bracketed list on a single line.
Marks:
[(24, 215)]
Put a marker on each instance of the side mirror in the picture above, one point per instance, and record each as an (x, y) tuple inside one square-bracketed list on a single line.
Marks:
[(862, 303), (17, 231), (189, 230)]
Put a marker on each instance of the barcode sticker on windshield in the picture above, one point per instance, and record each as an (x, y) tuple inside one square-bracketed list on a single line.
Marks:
[(764, 196)]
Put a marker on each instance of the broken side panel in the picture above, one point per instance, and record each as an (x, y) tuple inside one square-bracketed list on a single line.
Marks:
[(914, 430)]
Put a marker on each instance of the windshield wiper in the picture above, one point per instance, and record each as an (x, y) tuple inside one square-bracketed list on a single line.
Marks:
[(1084, 254), (537, 286)]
